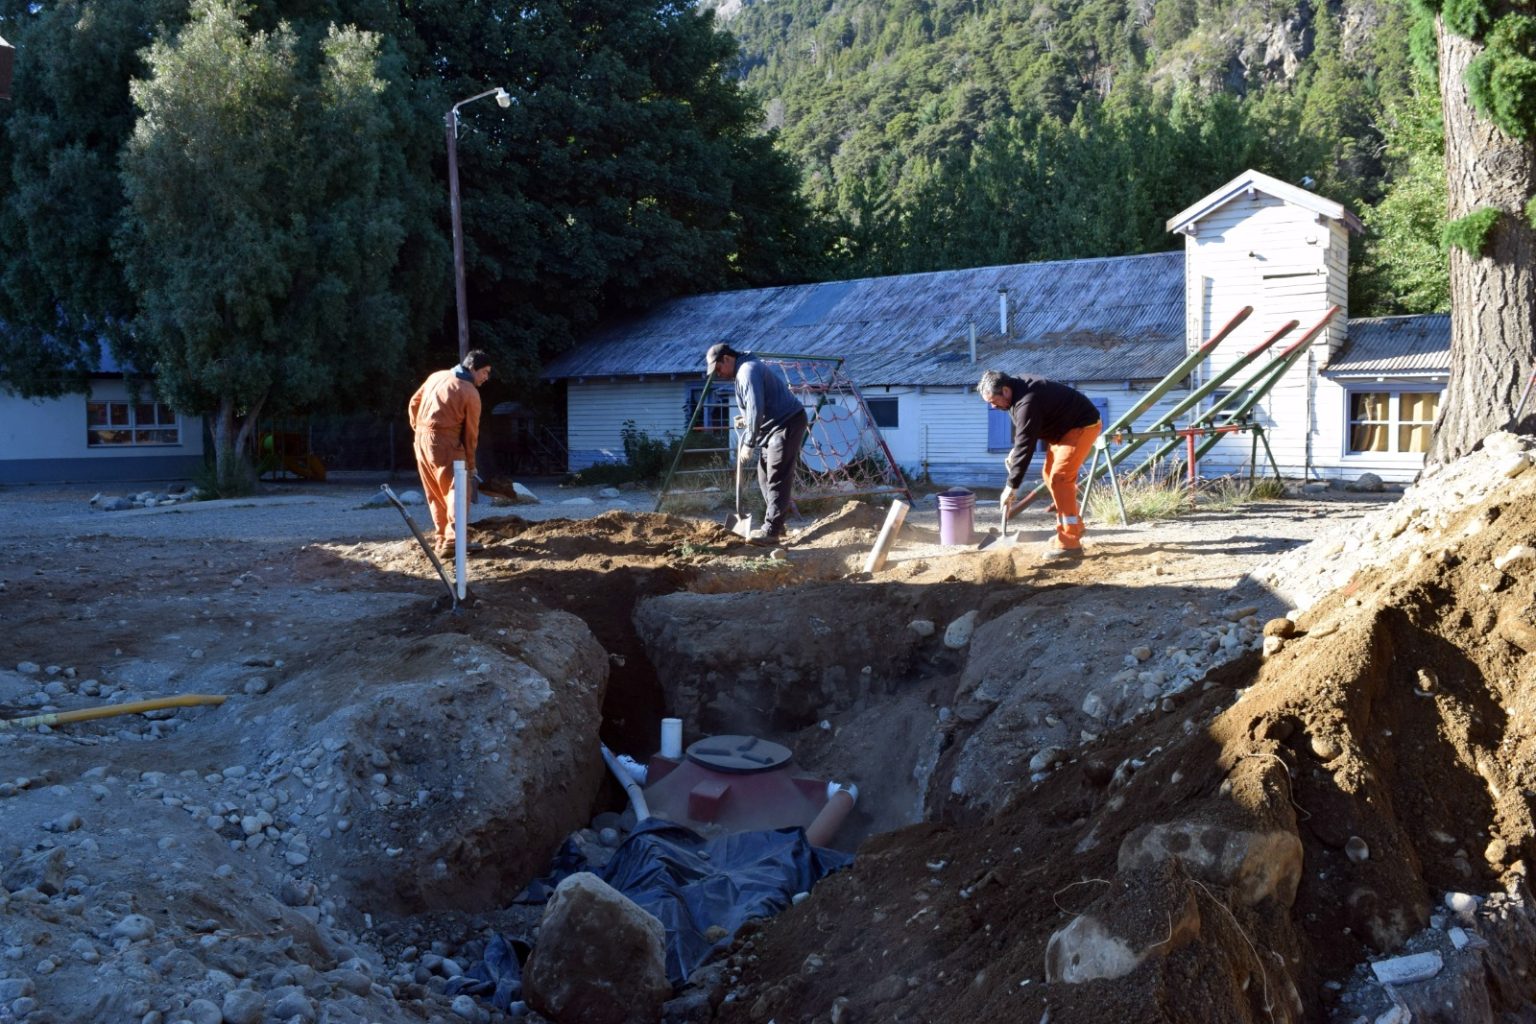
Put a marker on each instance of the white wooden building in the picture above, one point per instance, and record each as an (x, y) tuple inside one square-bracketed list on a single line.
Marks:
[(1110, 327), (107, 435)]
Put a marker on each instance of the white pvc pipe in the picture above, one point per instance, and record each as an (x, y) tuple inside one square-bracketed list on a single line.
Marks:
[(672, 738), (461, 524), (631, 787)]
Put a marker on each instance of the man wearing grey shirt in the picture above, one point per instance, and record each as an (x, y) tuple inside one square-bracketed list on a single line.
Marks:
[(773, 427)]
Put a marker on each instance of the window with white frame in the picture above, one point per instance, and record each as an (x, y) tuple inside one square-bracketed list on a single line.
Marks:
[(113, 424), (716, 413), (1391, 421)]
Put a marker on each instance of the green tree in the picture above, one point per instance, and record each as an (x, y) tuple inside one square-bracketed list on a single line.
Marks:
[(629, 169), (267, 210), (1403, 269), (1487, 62), (61, 295)]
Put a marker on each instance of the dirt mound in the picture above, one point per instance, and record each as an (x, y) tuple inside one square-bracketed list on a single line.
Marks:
[(1301, 815)]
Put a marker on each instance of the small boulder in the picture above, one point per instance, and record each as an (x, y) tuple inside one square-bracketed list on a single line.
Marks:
[(600, 959), (1254, 865), (1118, 934), (1368, 482), (958, 633)]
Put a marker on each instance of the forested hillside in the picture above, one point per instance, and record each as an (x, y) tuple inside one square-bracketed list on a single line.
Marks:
[(965, 132)]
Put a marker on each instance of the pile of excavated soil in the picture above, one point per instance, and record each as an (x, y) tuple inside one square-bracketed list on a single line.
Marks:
[(1236, 860)]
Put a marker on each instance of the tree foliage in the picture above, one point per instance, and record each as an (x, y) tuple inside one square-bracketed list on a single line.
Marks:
[(268, 225), (62, 297), (628, 170), (948, 133), (268, 201)]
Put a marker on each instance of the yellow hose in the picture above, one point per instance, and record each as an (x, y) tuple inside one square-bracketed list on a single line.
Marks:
[(109, 710)]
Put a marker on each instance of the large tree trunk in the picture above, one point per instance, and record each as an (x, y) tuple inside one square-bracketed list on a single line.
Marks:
[(1493, 297)]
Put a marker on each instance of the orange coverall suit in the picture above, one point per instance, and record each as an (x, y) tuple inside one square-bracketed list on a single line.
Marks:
[(445, 418), (1068, 422)]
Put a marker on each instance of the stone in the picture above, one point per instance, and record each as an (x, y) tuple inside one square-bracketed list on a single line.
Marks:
[(243, 1006), (958, 634), (1367, 482), (922, 627), (1273, 646), (1357, 850), (1516, 554), (1512, 466), (599, 958), (1102, 943), (134, 927), (291, 1002), (1047, 757), (1254, 865), (203, 1011), (1282, 627), (609, 492), (1405, 970)]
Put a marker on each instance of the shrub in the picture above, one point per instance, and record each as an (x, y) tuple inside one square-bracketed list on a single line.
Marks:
[(236, 481), (646, 458), (1472, 233)]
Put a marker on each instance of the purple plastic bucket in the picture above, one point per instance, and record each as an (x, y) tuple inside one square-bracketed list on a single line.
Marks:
[(956, 507)]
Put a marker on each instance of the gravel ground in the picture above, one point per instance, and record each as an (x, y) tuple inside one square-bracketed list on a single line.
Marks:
[(336, 510)]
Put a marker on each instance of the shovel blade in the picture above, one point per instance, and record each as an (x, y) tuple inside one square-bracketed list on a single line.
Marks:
[(741, 526)]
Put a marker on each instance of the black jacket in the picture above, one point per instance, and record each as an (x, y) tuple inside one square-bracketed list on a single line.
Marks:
[(1042, 410)]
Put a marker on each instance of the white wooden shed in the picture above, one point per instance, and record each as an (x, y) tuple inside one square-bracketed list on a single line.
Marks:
[(1111, 327)]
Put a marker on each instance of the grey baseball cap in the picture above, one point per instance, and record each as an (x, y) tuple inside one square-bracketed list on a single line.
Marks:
[(715, 352)]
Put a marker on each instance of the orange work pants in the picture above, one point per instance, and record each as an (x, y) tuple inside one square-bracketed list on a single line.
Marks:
[(437, 485), (1063, 458)]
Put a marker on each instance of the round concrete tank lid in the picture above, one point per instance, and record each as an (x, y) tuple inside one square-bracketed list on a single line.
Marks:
[(740, 755)]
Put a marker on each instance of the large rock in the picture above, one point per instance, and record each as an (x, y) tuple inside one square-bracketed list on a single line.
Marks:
[(1254, 865), (446, 770), (600, 959), (1144, 915)]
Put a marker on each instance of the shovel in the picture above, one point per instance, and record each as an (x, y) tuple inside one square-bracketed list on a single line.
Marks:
[(739, 524), (997, 541)]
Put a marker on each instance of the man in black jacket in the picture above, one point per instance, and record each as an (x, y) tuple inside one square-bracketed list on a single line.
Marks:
[(1068, 423)]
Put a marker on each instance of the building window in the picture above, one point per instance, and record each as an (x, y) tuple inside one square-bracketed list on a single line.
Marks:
[(716, 414), (1391, 421), (110, 424), (885, 412)]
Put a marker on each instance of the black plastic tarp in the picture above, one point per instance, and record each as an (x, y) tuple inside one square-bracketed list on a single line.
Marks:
[(691, 883)]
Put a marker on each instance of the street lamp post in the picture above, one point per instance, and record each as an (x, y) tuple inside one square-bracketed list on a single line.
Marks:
[(451, 123)]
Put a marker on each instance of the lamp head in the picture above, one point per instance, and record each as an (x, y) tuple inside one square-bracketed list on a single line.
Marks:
[(503, 98)]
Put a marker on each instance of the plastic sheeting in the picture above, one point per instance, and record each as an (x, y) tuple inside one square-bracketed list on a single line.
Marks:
[(692, 884)]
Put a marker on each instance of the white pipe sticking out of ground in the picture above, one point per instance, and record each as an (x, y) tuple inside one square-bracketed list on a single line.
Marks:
[(461, 521)]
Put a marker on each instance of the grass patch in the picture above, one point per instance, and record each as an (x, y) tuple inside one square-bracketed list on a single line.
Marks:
[(1163, 493)]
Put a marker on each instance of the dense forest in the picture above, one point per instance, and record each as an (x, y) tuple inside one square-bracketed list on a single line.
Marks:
[(946, 133)]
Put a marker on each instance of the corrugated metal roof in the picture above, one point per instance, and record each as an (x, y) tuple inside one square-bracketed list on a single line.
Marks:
[(1390, 345), (1112, 319)]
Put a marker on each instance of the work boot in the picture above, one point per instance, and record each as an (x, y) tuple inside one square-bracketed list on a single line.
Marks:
[(765, 538), (1054, 552)]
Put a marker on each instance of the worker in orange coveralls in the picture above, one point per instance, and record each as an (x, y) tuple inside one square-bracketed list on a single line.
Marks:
[(445, 418), (1068, 422)]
